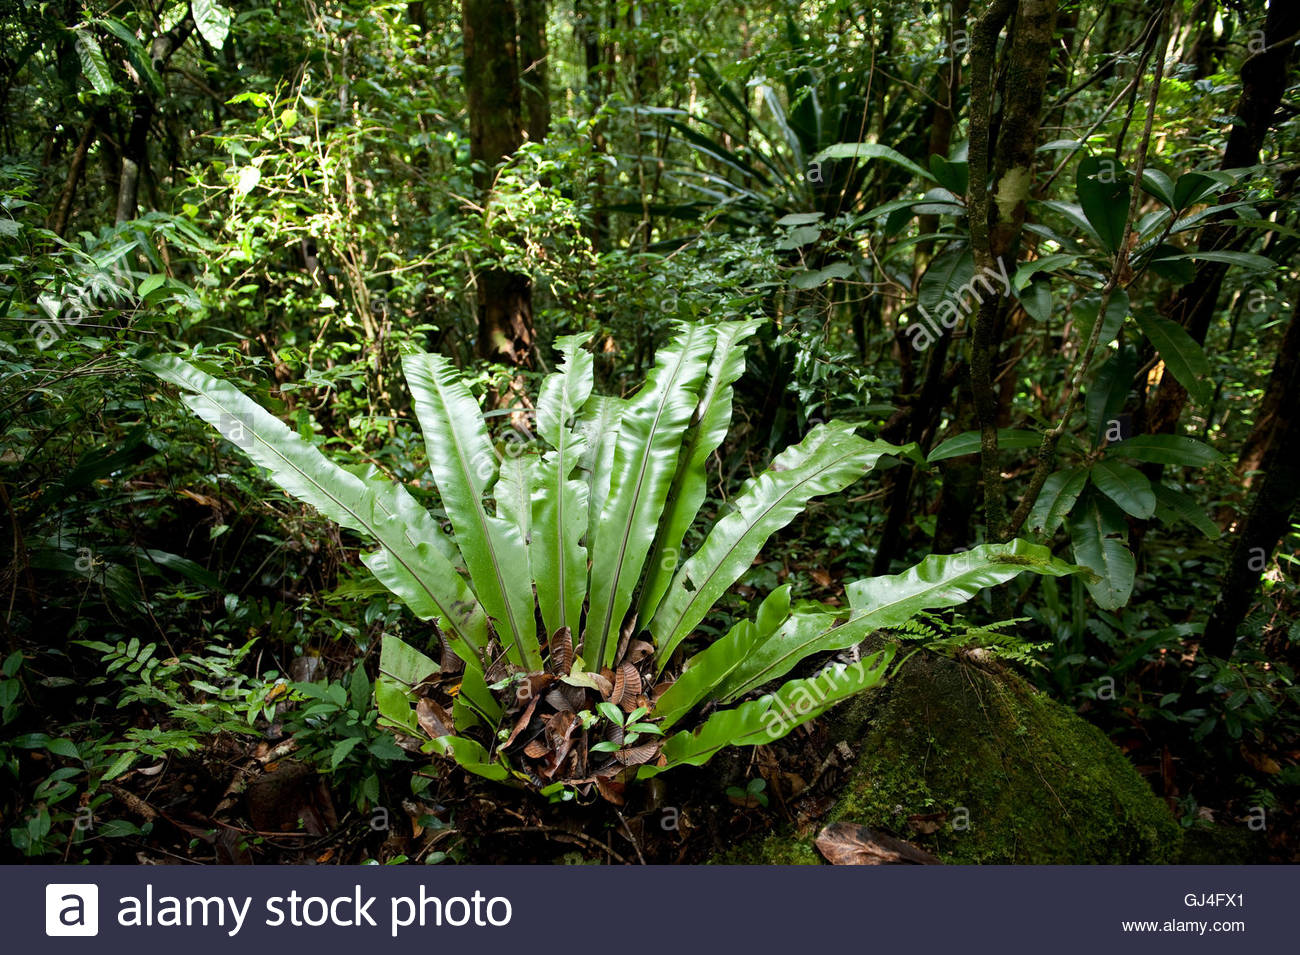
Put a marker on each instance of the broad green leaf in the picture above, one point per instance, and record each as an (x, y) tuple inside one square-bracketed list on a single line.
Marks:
[(873, 151), (1166, 260), (598, 426), (829, 459), (412, 560), (953, 176), (1176, 504), (950, 272), (469, 754), (341, 750), (560, 502), (799, 218), (93, 64), (136, 53), (404, 664), (881, 602), (1057, 497), (1246, 260), (1184, 358), (645, 458), (565, 392), (1048, 263), (708, 428), (798, 237), (1074, 214), (1167, 449), (1192, 187), (464, 466), (1104, 188), (212, 21), (1037, 300), (1109, 558), (394, 704), (1109, 392), (1085, 313), (767, 719), (1126, 486), (120, 765), (968, 442), (813, 278), (149, 283), (1158, 184), (711, 666), (359, 690), (517, 479)]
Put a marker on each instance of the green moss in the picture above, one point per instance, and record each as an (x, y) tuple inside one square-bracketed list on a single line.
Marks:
[(779, 848), (1015, 776), (1222, 845)]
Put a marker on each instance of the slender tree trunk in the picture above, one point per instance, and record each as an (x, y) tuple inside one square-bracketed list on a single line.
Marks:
[(588, 34), (505, 328), (135, 157), (1264, 78), (1272, 410), (996, 227), (135, 151), (58, 223), (1269, 518), (535, 69)]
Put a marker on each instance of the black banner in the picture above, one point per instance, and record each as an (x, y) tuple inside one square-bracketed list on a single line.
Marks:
[(737, 909)]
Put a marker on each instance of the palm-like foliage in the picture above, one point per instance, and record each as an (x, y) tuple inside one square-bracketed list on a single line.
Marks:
[(561, 596)]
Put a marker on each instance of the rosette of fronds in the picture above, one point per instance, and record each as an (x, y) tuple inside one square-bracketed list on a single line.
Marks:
[(565, 647)]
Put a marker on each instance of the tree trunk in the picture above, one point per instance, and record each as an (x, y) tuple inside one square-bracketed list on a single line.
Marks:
[(505, 329), (535, 71), (135, 153), (1263, 81), (58, 223), (1273, 408), (996, 227), (1269, 518), (135, 157), (587, 30)]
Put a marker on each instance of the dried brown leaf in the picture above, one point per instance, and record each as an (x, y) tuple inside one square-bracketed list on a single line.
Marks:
[(560, 661), (637, 652), (612, 790), (433, 719), (523, 720), (557, 700), (636, 755), (536, 749), (847, 843), (630, 703)]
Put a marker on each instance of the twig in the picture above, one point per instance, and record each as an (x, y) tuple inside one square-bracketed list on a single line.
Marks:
[(564, 835), (630, 837)]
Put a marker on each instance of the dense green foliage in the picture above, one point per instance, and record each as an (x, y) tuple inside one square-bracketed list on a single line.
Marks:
[(1051, 255)]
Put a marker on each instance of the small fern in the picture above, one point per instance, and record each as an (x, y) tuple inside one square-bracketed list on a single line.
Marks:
[(954, 636)]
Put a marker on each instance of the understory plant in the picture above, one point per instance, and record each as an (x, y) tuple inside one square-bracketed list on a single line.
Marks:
[(567, 617)]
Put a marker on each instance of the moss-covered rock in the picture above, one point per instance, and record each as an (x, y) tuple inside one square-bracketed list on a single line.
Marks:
[(1002, 773), (977, 766), (779, 848), (1223, 845)]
